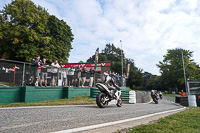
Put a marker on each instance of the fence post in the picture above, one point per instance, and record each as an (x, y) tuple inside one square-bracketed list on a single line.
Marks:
[(94, 80), (23, 75)]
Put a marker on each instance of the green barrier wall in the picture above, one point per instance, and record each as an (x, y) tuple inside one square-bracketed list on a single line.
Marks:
[(125, 93), (34, 94), (30, 94), (12, 94), (78, 91)]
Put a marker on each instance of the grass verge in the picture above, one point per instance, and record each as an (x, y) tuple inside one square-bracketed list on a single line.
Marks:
[(83, 100), (5, 83), (187, 121), (171, 95)]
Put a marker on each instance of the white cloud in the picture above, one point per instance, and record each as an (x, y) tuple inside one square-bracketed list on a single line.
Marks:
[(147, 28)]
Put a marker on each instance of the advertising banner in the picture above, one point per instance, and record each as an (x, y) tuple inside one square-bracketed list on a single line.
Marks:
[(128, 68), (96, 57)]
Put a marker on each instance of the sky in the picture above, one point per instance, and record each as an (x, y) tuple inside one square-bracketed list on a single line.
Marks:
[(147, 28)]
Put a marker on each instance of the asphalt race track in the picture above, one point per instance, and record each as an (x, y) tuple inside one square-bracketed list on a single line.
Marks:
[(49, 119)]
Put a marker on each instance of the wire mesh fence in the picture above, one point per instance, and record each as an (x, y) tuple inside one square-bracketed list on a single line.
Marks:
[(26, 74)]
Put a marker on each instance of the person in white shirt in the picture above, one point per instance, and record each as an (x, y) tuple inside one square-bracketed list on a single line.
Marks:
[(54, 72), (70, 76), (64, 75)]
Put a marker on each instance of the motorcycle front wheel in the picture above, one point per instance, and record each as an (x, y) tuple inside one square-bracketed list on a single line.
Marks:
[(155, 100), (119, 102), (101, 100)]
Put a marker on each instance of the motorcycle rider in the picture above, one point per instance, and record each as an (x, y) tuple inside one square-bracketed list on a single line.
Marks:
[(110, 83), (153, 92), (160, 94)]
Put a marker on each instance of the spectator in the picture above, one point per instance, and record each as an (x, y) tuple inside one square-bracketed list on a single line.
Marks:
[(119, 79), (54, 72), (36, 63), (64, 75), (105, 74), (70, 76), (123, 79), (182, 93), (43, 74), (92, 72), (84, 75), (78, 76)]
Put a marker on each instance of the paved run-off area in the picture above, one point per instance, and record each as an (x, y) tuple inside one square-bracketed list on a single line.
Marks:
[(49, 119)]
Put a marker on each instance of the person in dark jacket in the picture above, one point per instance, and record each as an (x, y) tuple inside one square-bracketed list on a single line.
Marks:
[(92, 73), (43, 73), (83, 75), (78, 76), (35, 64)]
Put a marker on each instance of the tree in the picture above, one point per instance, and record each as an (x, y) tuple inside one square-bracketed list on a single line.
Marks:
[(27, 30), (113, 54), (171, 68)]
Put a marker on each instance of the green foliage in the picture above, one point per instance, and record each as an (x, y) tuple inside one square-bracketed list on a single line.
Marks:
[(113, 54), (171, 68), (151, 82), (27, 30)]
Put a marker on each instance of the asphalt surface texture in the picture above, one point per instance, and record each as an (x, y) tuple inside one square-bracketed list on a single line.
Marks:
[(49, 119), (169, 98)]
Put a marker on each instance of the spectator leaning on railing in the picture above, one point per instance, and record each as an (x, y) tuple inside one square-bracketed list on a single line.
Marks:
[(54, 72)]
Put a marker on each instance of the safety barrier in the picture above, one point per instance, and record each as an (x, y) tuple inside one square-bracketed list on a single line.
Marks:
[(30, 94), (184, 101), (132, 97)]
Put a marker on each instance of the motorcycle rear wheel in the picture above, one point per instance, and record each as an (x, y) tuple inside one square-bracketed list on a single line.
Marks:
[(100, 100)]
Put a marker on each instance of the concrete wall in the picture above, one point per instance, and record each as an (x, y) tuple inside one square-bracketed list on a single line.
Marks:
[(142, 97)]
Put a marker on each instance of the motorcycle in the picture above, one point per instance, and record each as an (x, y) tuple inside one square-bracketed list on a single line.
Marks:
[(106, 96), (154, 96), (160, 95)]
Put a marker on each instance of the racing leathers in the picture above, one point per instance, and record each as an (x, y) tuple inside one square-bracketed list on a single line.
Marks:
[(110, 83)]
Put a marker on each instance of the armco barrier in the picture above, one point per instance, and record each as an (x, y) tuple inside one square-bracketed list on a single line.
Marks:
[(30, 94)]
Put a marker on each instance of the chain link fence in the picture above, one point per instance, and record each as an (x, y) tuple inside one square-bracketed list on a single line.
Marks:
[(15, 73)]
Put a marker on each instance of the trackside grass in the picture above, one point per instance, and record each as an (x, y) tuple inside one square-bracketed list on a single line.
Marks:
[(170, 95), (83, 100), (187, 121)]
